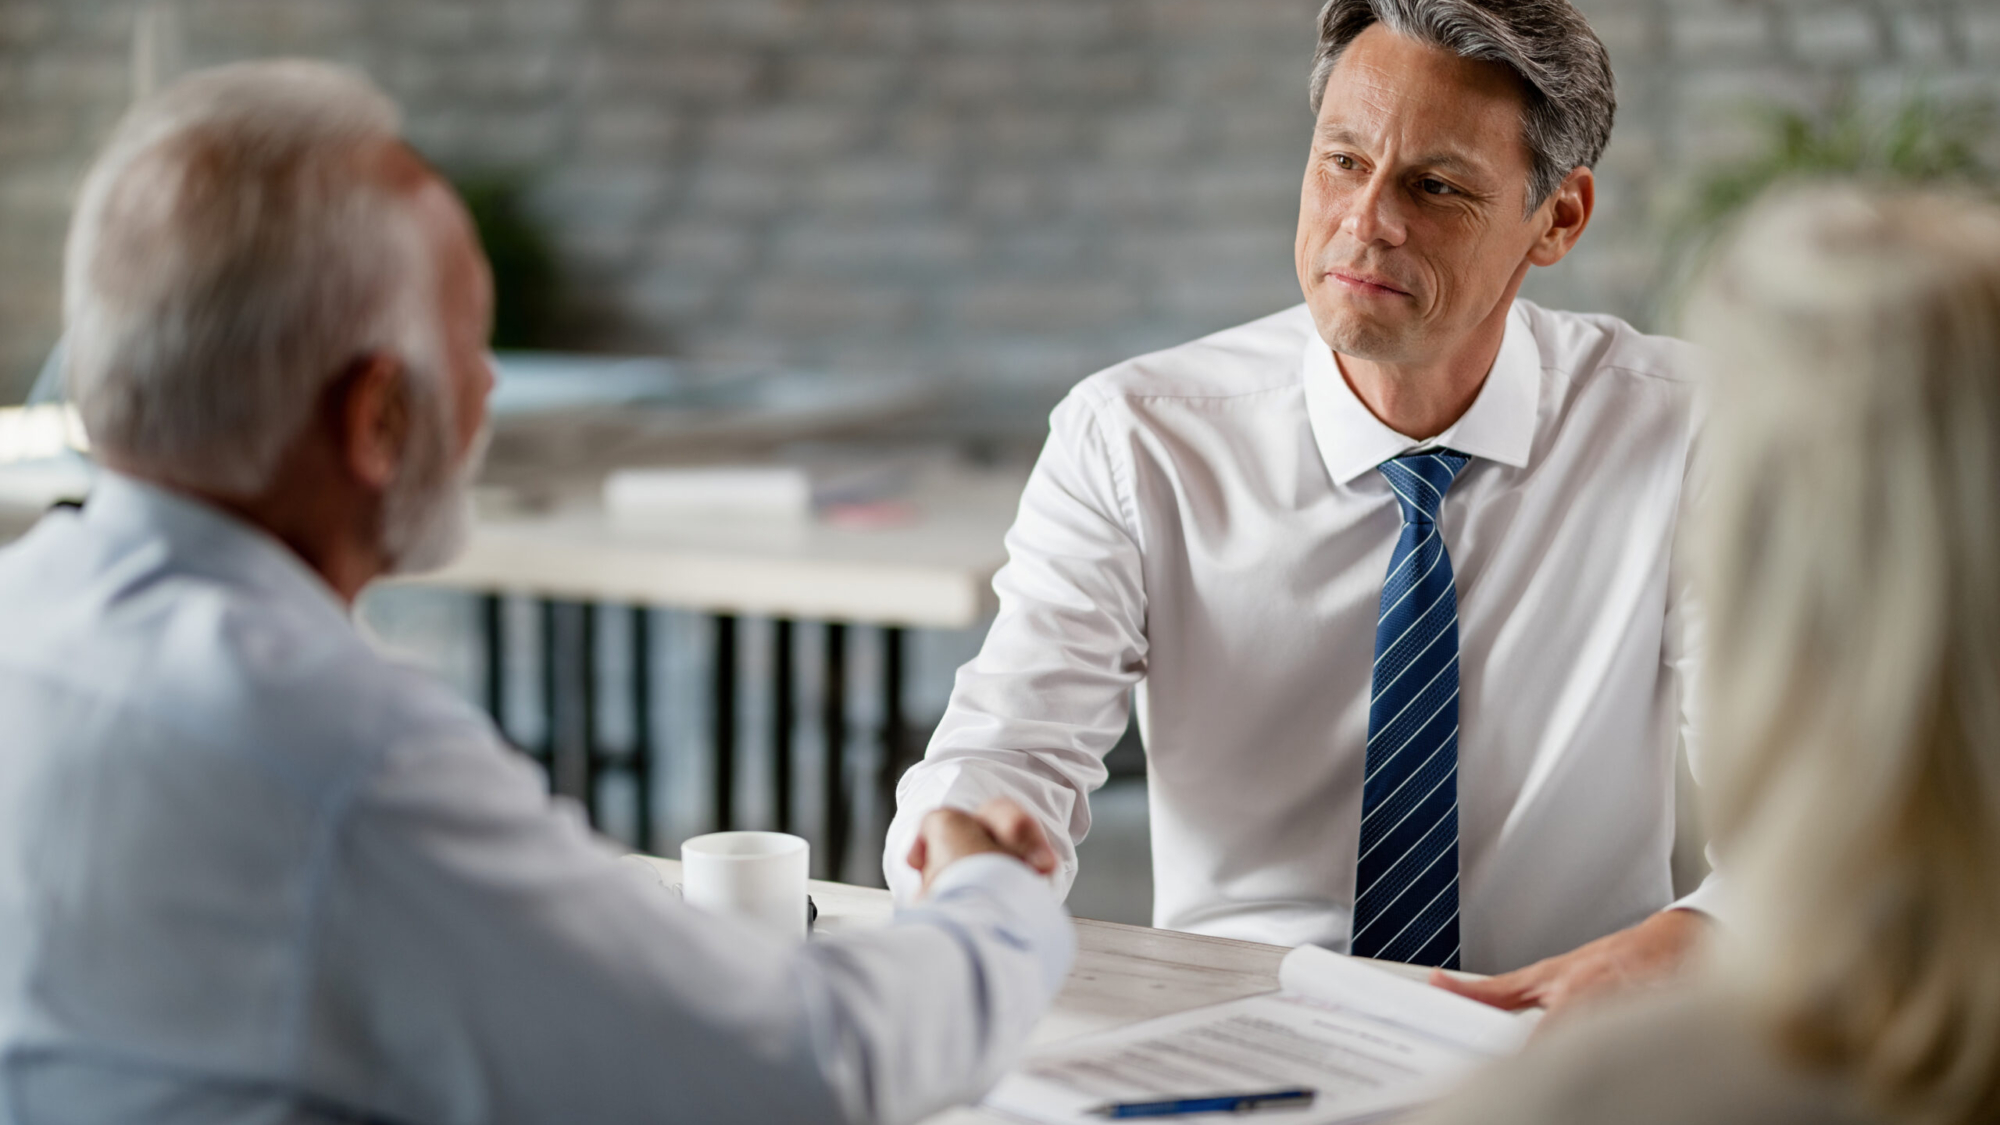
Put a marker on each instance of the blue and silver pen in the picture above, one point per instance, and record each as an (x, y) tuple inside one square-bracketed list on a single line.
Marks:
[(1296, 1098)]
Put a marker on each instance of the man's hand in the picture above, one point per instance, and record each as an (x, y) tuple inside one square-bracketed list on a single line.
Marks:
[(949, 835), (1630, 959)]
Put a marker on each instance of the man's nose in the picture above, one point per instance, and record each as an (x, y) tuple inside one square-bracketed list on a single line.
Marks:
[(1374, 215)]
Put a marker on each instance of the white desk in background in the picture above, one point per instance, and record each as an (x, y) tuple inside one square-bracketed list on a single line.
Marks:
[(933, 570), (1123, 974)]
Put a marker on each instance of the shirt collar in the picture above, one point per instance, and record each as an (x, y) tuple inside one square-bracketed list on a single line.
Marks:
[(204, 539), (1499, 426)]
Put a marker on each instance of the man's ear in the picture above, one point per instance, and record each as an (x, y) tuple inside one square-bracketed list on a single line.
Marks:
[(370, 410), (1562, 217)]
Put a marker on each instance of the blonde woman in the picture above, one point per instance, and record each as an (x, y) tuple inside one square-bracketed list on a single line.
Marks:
[(1849, 553)]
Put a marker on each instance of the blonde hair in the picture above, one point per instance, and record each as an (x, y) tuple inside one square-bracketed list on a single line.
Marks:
[(1849, 553)]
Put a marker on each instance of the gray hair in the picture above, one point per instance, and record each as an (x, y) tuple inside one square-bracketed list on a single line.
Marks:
[(232, 254), (1562, 64)]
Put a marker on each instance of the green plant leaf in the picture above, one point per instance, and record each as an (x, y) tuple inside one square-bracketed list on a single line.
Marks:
[(527, 285)]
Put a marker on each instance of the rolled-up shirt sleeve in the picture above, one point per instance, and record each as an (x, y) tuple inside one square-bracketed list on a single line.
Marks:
[(1032, 716), (484, 957)]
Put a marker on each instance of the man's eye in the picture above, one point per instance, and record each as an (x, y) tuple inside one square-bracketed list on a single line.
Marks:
[(1435, 187), (1342, 160)]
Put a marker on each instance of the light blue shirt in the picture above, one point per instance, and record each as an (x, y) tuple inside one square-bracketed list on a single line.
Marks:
[(251, 872)]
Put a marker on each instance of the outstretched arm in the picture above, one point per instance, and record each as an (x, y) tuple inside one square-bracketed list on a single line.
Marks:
[(487, 958), (1032, 716)]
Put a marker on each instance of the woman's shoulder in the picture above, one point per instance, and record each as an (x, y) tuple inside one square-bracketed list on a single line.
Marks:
[(1650, 1061)]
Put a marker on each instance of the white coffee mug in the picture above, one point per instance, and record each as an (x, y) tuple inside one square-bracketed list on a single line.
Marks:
[(756, 877)]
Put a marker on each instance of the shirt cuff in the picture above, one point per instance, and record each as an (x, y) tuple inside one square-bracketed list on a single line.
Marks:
[(905, 882), (995, 870), (1008, 898), (1709, 898)]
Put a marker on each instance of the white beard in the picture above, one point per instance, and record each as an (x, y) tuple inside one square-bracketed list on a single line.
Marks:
[(427, 514)]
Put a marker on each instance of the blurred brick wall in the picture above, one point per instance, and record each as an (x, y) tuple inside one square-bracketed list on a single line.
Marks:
[(1000, 194)]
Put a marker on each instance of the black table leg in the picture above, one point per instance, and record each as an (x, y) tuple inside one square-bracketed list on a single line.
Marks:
[(584, 754), (725, 722), (642, 727), (895, 736), (551, 691), (570, 752), (783, 718), (569, 679), (493, 632), (833, 722)]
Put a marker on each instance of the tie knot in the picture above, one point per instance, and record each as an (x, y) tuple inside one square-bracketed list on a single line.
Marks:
[(1420, 481)]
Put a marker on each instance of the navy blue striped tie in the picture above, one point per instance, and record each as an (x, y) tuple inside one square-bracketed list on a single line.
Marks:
[(1406, 879)]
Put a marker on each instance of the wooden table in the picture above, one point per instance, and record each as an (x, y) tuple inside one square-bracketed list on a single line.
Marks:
[(1123, 974)]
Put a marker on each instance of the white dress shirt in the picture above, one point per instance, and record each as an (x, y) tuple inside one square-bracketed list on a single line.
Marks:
[(1206, 525), (249, 872)]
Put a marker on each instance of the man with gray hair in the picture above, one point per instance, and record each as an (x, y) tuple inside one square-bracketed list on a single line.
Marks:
[(250, 872), (1387, 576)]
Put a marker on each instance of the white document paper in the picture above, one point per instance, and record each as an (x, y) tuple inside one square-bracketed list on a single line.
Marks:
[(1371, 1043), (671, 494)]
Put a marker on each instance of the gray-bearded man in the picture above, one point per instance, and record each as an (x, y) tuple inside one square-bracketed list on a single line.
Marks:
[(250, 872)]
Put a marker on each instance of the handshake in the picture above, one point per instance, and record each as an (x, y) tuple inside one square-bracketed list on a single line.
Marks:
[(1000, 825)]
